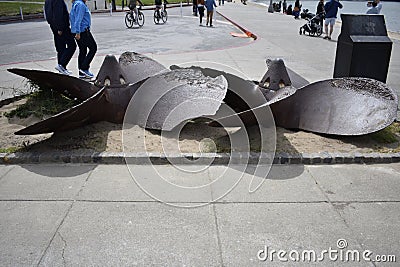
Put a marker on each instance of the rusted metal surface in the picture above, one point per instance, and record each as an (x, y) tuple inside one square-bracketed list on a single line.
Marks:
[(161, 99), (138, 67), (67, 85), (242, 95), (343, 106), (168, 99)]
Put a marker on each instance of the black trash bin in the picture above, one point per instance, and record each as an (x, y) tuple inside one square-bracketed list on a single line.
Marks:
[(363, 48)]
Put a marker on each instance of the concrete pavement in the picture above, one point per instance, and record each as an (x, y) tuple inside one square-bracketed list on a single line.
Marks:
[(96, 215), (182, 40)]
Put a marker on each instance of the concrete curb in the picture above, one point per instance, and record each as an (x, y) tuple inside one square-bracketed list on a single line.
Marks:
[(190, 158)]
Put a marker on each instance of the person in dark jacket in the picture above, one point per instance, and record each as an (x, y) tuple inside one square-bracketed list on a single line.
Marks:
[(284, 6), (210, 4), (57, 16), (321, 11), (331, 9)]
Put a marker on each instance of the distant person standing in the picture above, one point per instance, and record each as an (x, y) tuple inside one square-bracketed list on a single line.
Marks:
[(80, 26), (200, 7), (331, 9), (57, 16), (373, 9), (321, 12), (210, 4), (195, 8), (378, 5), (284, 6)]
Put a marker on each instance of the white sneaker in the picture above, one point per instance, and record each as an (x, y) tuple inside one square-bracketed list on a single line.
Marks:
[(62, 70)]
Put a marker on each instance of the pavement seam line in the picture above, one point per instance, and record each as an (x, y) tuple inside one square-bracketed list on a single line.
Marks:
[(219, 244), (62, 222), (218, 236), (352, 232), (218, 203), (63, 250), (7, 172), (84, 184), (55, 233)]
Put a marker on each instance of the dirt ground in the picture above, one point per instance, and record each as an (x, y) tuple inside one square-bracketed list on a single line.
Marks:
[(194, 138)]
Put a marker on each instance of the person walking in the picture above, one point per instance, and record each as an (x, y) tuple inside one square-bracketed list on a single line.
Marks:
[(210, 4), (80, 26), (331, 9), (284, 5), (195, 8), (321, 12), (58, 18), (200, 7)]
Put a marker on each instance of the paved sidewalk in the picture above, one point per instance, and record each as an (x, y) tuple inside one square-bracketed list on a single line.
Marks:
[(182, 40), (96, 215)]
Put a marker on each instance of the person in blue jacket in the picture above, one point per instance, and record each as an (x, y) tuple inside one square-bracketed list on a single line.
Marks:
[(210, 4), (58, 18), (80, 26), (331, 9)]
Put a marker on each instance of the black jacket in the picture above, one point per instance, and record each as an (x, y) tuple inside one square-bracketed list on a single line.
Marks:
[(320, 7), (57, 14)]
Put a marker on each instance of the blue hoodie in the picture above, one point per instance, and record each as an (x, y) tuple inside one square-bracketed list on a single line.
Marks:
[(79, 17), (331, 8), (210, 4)]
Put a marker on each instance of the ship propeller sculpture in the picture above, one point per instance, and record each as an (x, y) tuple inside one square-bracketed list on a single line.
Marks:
[(341, 106)]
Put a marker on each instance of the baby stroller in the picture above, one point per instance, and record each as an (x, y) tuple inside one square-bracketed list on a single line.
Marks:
[(313, 26)]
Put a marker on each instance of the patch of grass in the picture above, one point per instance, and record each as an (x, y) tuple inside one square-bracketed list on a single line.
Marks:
[(388, 135), (40, 103), (12, 9), (10, 149)]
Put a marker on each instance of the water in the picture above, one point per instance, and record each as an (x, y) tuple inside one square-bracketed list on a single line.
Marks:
[(390, 10)]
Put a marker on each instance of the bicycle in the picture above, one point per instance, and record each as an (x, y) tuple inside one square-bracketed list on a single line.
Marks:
[(130, 18), (160, 14)]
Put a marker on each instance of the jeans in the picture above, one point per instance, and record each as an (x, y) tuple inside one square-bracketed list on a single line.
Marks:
[(84, 58), (65, 46), (201, 13)]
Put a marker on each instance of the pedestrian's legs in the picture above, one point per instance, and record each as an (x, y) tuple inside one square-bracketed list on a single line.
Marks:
[(208, 17), (211, 17), (59, 43), (82, 52), (89, 42), (326, 29), (201, 14), (330, 30), (70, 48)]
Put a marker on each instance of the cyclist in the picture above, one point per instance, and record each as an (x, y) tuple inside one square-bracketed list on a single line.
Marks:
[(132, 7), (159, 6)]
